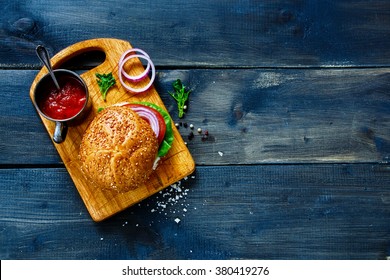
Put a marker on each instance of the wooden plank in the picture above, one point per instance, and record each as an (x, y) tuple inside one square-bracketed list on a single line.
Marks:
[(316, 211), (279, 116), (293, 116), (27, 140), (205, 33)]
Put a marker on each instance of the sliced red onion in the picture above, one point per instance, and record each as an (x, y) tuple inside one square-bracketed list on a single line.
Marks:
[(137, 90), (149, 116), (140, 76)]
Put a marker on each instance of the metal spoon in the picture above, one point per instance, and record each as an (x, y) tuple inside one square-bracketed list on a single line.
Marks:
[(45, 58)]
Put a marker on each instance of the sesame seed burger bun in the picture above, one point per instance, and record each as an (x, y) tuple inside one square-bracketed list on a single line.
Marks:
[(118, 149)]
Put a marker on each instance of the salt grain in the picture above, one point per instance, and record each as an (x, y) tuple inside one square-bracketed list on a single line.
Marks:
[(220, 153), (171, 201)]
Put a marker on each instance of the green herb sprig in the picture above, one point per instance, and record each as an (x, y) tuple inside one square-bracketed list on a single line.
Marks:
[(180, 95), (105, 81)]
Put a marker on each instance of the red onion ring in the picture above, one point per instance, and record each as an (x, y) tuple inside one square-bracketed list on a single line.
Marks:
[(140, 76), (137, 90), (149, 116)]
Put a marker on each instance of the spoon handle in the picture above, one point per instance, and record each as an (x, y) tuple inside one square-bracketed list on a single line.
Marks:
[(44, 57)]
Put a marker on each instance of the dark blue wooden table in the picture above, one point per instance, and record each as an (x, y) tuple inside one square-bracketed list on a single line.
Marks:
[(295, 96)]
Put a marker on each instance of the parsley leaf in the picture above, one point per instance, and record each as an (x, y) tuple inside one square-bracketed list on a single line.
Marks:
[(105, 81), (180, 95)]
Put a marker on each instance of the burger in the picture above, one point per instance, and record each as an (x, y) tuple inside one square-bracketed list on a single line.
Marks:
[(123, 145)]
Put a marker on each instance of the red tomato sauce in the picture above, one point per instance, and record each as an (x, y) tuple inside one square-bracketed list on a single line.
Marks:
[(64, 103)]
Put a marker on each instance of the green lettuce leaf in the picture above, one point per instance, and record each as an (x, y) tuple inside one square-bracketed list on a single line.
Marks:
[(168, 138)]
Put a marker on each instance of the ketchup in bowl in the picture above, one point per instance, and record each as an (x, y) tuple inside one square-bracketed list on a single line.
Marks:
[(68, 104), (64, 103)]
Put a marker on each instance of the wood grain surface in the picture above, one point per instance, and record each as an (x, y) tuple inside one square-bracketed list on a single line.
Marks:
[(176, 165), (294, 95), (284, 212), (202, 33), (293, 116)]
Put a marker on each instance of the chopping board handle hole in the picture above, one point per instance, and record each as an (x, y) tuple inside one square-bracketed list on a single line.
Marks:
[(85, 61)]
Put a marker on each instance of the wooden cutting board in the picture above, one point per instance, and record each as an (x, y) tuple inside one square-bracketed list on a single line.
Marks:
[(176, 165)]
